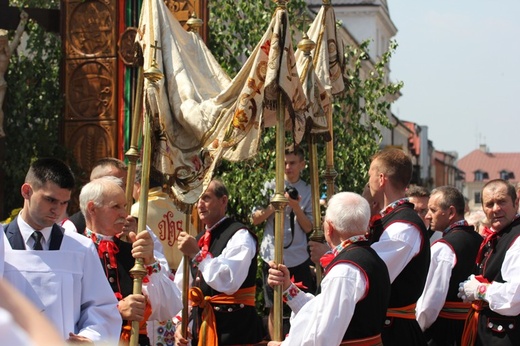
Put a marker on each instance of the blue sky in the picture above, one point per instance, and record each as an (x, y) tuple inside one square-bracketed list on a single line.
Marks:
[(460, 64)]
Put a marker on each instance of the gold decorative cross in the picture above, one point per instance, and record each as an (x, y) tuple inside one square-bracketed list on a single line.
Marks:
[(155, 48)]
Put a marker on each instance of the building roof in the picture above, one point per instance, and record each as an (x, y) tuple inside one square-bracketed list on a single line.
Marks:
[(493, 164)]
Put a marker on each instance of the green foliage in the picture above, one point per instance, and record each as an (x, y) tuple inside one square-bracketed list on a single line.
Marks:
[(359, 114), (49, 4), (235, 27), (33, 108)]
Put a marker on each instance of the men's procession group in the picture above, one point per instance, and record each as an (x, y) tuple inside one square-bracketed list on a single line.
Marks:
[(67, 280)]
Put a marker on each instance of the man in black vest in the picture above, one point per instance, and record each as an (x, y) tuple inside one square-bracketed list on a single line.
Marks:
[(440, 312), (400, 239), (224, 265), (355, 291), (495, 293)]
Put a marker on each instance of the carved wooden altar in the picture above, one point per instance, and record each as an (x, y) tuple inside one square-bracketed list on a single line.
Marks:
[(97, 48)]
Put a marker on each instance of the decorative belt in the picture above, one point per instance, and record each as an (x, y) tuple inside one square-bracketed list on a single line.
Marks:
[(455, 311), (208, 328), (406, 312), (469, 335), (369, 341)]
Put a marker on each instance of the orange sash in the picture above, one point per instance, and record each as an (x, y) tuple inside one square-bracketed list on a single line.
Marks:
[(370, 341), (469, 335), (208, 327), (455, 311), (406, 312)]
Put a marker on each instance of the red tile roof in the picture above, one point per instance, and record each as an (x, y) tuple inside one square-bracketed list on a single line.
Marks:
[(491, 163)]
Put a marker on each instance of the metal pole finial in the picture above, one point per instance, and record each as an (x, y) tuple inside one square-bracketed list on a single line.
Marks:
[(153, 73), (281, 3), (194, 23), (306, 45)]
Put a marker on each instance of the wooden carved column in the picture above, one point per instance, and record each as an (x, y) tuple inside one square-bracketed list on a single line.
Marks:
[(183, 9), (90, 79), (91, 33)]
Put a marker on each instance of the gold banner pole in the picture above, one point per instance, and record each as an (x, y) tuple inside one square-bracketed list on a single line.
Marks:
[(306, 45), (133, 153), (186, 275), (194, 24), (317, 233), (330, 173), (138, 272), (279, 201)]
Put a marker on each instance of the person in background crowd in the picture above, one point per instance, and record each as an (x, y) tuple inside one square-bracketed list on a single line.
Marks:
[(297, 224), (108, 166), (419, 196)]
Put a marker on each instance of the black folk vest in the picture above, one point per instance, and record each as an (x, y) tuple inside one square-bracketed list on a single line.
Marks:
[(370, 311), (493, 328), (409, 284), (236, 324), (465, 243)]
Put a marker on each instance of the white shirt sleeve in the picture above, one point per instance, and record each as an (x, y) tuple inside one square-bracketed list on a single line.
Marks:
[(164, 296), (432, 300), (299, 301), (325, 319), (227, 272), (504, 298), (158, 250), (398, 245)]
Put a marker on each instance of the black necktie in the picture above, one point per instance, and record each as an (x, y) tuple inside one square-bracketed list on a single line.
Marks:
[(37, 236)]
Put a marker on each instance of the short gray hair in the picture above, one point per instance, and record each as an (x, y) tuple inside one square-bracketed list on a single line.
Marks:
[(349, 213), (94, 190)]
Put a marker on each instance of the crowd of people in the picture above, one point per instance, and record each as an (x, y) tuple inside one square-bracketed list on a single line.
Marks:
[(402, 265)]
